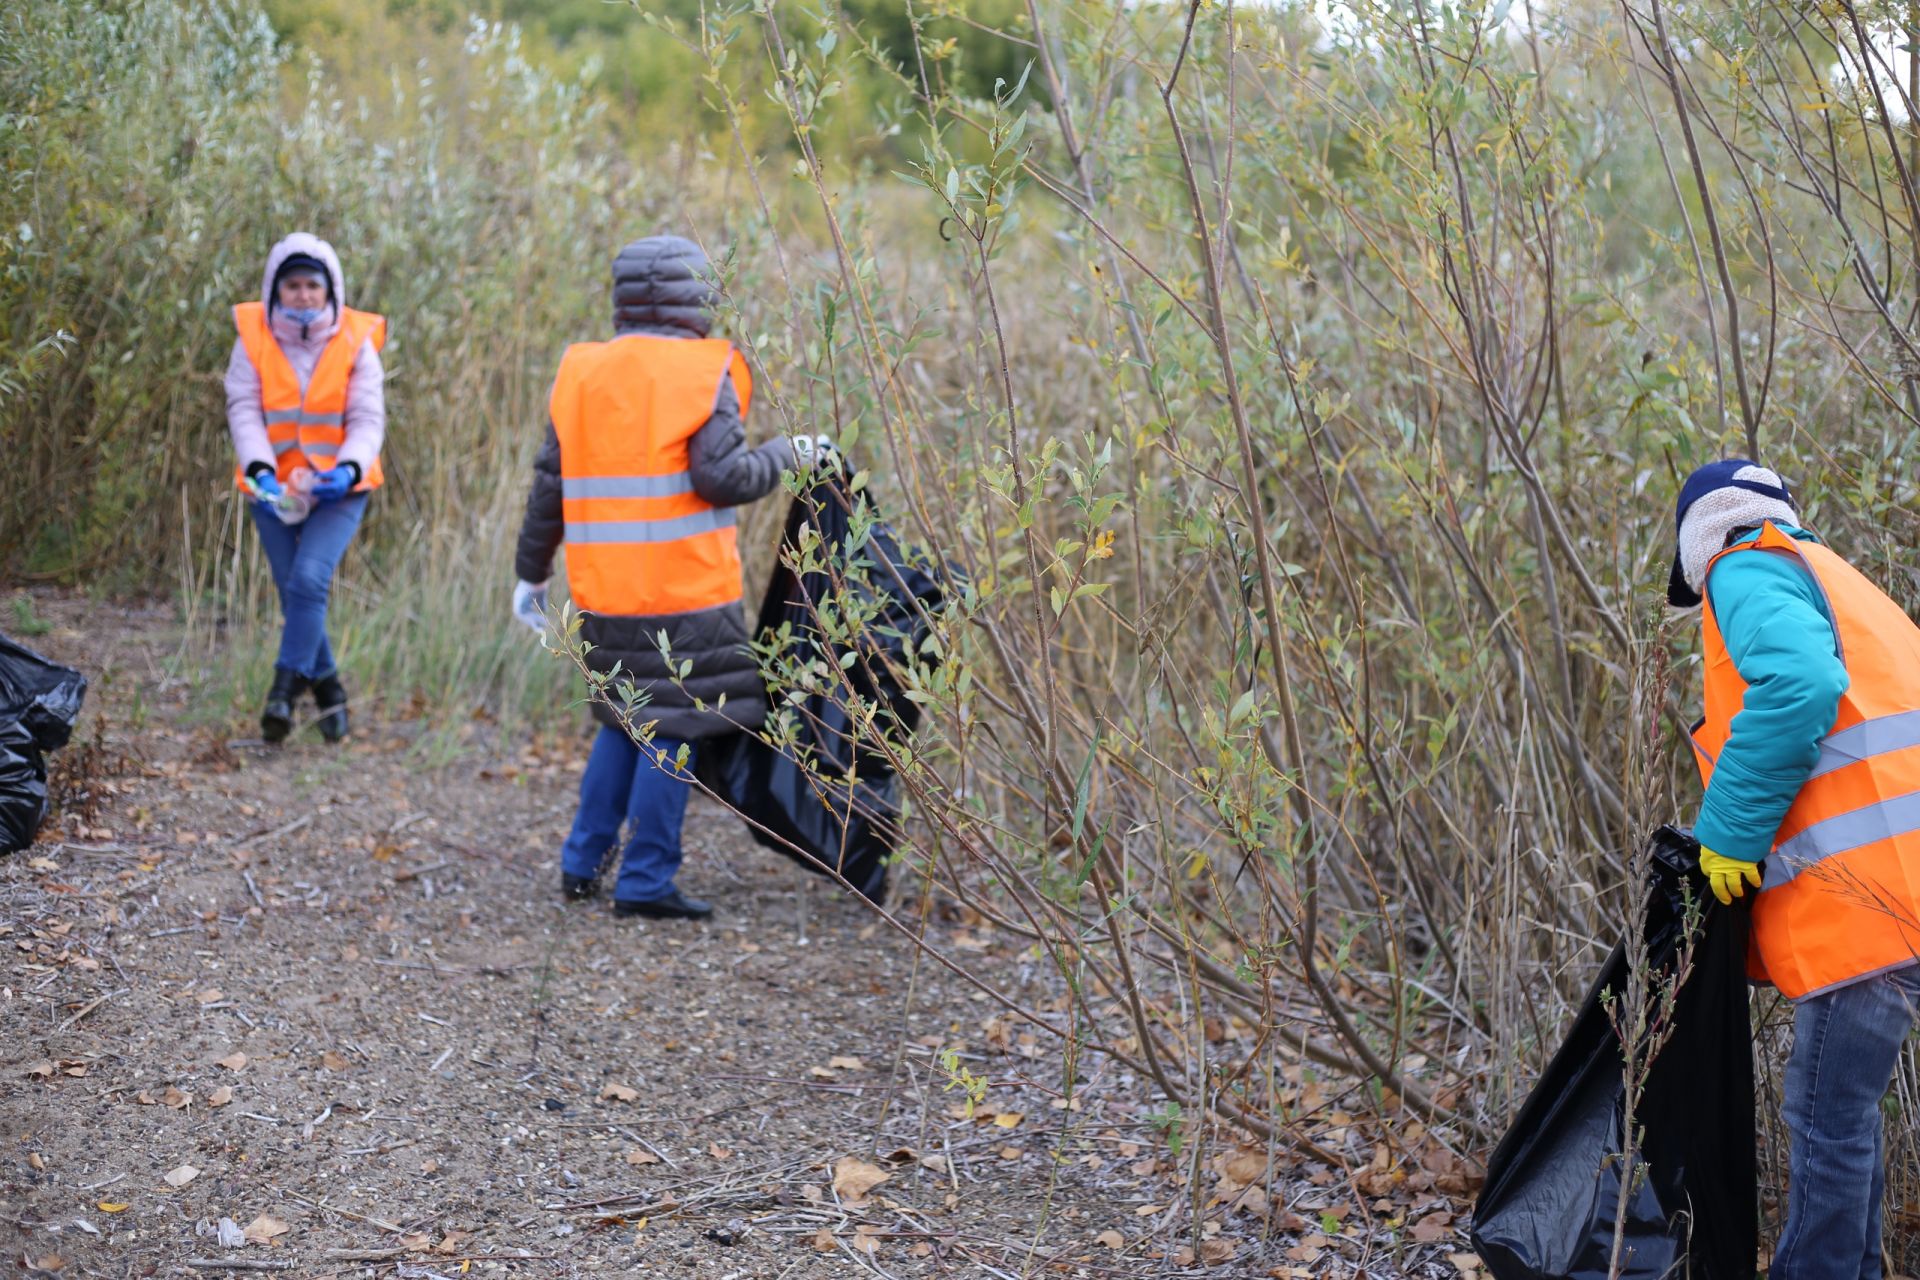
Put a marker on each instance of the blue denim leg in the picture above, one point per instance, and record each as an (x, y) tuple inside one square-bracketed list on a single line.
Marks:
[(656, 810), (303, 557), (605, 790), (1845, 1045)]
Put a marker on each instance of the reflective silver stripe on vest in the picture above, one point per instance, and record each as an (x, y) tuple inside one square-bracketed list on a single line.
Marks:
[(667, 486), (671, 530), (284, 446), (1876, 737), (300, 417), (1843, 834)]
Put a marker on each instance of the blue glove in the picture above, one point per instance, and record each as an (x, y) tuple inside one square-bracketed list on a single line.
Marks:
[(335, 483), (266, 488), (530, 606)]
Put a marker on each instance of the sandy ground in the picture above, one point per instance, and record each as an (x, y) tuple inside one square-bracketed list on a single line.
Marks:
[(330, 996)]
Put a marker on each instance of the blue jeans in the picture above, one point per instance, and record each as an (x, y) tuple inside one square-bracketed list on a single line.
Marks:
[(625, 781), (302, 557), (1845, 1046)]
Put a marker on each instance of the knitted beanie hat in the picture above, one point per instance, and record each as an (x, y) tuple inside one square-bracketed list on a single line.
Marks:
[(1717, 501)]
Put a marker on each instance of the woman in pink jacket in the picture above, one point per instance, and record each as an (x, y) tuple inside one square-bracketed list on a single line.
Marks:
[(306, 408)]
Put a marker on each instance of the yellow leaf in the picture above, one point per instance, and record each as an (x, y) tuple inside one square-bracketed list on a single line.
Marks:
[(111, 1206), (1008, 1119)]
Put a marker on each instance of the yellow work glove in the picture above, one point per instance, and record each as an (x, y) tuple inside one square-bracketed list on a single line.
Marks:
[(1724, 875)]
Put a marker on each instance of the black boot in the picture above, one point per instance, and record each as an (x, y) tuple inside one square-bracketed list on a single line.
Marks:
[(331, 697), (675, 906), (577, 888), (276, 720)]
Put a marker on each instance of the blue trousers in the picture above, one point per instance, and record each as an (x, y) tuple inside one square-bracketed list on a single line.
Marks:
[(303, 557), (1846, 1044), (640, 786)]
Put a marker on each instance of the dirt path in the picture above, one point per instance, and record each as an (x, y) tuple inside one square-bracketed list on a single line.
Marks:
[(332, 995)]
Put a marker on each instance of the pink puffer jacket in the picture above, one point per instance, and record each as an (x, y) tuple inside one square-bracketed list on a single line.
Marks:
[(366, 420)]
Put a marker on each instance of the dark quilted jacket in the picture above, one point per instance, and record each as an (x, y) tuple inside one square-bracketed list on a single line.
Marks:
[(659, 289)]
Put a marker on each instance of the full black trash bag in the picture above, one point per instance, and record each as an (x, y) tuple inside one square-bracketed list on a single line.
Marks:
[(834, 824), (1548, 1209), (39, 701)]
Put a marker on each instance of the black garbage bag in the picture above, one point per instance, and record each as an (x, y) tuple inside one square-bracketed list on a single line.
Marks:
[(1553, 1186), (841, 813), (39, 701)]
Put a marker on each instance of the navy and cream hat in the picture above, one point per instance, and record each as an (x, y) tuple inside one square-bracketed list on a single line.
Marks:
[(1717, 501)]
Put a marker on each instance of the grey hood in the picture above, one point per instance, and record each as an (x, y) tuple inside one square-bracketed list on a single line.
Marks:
[(660, 282)]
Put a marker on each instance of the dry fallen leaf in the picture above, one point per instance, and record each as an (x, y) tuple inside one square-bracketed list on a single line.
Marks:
[(1111, 1240), (182, 1176), (50, 1262), (718, 1152), (212, 995), (843, 1063), (263, 1229), (233, 1061), (823, 1241), (111, 1206), (1433, 1228), (176, 1099), (821, 1073), (619, 1093), (1246, 1167), (640, 1155), (1214, 1252), (866, 1239), (333, 1061), (42, 1069), (33, 1159), (221, 1096), (454, 1241), (1008, 1119), (1148, 1210), (853, 1178)]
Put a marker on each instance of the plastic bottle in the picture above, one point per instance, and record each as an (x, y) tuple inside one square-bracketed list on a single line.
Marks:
[(295, 504)]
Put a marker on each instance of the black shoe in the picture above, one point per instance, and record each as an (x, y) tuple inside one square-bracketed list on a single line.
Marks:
[(674, 906), (276, 720), (577, 888), (331, 697)]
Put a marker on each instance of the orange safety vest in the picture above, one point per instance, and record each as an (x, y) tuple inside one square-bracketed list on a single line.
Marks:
[(640, 541), (1840, 898), (307, 430)]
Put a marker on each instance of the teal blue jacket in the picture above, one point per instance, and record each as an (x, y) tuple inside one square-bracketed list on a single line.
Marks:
[(1773, 617)]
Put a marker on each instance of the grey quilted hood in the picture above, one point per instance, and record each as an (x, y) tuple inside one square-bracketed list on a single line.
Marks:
[(660, 282)]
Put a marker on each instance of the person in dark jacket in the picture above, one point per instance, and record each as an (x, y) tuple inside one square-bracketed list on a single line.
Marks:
[(645, 456)]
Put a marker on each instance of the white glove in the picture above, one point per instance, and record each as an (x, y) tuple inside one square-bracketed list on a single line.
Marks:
[(811, 452), (530, 605)]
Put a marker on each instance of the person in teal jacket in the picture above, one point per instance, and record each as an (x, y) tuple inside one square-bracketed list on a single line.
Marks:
[(1774, 620)]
